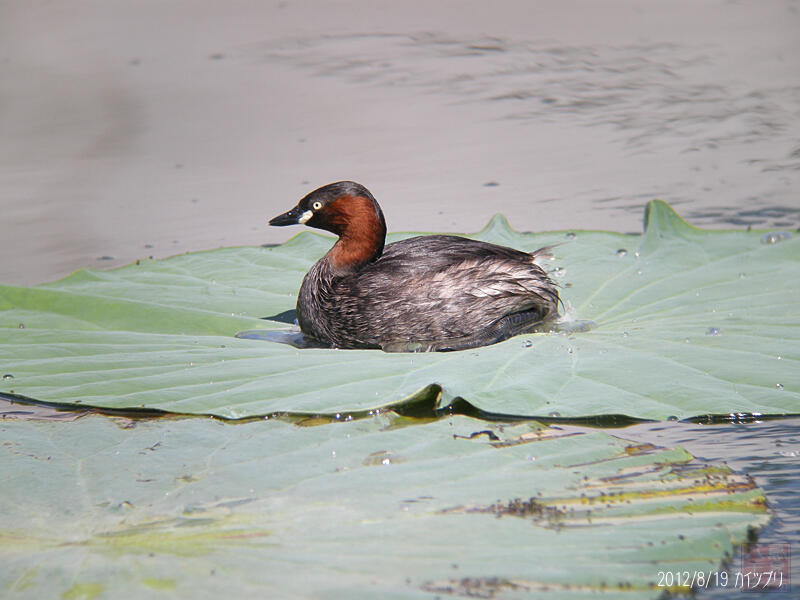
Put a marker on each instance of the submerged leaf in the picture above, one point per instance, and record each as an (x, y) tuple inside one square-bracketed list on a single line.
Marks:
[(687, 323)]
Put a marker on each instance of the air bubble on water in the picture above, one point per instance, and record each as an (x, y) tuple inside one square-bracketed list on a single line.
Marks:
[(636, 254), (559, 271), (639, 272), (570, 236), (773, 237), (333, 453), (779, 386), (742, 275), (554, 415), (713, 331), (686, 340), (622, 252), (672, 418), (8, 376), (527, 344), (625, 334)]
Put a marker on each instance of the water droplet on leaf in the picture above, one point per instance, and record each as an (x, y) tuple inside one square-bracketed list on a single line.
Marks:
[(773, 237)]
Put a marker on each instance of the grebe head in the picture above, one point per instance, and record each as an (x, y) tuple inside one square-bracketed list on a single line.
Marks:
[(349, 210)]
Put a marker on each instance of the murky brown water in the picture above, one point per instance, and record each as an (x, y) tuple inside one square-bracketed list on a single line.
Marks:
[(128, 132)]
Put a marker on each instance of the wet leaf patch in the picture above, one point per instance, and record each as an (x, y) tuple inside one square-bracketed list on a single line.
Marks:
[(199, 508)]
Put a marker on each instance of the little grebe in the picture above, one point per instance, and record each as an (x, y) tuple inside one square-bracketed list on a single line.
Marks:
[(434, 292)]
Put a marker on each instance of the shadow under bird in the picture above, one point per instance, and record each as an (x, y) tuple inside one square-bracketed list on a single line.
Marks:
[(426, 293)]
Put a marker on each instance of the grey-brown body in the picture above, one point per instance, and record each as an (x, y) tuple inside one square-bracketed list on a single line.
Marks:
[(437, 292), (427, 293)]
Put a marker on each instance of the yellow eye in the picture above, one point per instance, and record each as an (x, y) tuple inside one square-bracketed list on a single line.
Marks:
[(316, 205)]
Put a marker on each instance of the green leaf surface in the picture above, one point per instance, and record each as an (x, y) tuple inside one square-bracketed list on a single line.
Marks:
[(687, 323), (384, 507)]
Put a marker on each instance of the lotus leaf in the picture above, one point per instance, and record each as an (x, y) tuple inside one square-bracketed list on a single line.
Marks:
[(382, 507), (685, 323)]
